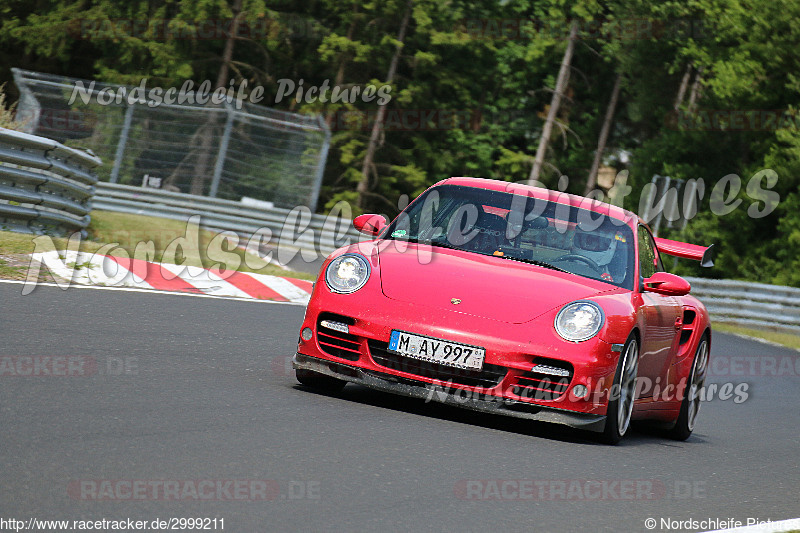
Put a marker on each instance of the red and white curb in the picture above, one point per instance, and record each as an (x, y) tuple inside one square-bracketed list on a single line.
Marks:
[(108, 271)]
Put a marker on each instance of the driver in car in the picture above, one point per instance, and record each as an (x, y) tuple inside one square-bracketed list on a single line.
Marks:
[(605, 250)]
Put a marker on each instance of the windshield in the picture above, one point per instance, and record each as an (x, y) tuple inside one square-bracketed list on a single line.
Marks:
[(520, 228)]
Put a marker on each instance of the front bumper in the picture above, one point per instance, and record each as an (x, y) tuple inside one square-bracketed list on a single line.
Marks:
[(448, 395)]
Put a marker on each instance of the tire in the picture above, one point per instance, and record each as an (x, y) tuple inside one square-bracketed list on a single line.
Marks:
[(318, 381), (621, 395), (690, 406)]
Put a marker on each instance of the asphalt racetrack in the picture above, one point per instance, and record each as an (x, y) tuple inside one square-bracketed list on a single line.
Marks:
[(159, 406)]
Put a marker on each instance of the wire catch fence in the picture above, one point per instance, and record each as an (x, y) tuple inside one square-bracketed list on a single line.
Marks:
[(224, 150)]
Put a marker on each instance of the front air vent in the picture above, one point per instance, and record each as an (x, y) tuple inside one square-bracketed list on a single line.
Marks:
[(547, 380), (337, 343)]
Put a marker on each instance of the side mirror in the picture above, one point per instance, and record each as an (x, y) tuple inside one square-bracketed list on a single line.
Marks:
[(667, 284), (369, 224)]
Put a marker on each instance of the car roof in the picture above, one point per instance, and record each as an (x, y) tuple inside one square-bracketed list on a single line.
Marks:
[(596, 206)]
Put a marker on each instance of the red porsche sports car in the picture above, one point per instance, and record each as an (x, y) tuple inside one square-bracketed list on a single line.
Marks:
[(516, 300)]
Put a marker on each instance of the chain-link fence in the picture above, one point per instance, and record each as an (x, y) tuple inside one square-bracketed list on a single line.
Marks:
[(229, 150)]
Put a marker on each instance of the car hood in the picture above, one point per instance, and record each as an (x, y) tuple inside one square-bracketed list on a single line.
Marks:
[(488, 287)]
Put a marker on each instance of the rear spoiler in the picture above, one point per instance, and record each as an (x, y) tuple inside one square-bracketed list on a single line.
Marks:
[(687, 251)]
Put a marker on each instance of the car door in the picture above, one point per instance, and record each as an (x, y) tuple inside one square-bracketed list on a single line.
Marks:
[(662, 315)]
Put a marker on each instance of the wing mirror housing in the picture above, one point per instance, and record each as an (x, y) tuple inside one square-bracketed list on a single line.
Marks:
[(667, 284), (369, 224)]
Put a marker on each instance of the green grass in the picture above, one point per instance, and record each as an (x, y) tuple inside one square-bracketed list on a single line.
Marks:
[(10, 272), (786, 339), (129, 230)]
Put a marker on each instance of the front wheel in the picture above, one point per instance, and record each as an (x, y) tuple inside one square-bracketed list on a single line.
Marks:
[(621, 395), (690, 406), (318, 381)]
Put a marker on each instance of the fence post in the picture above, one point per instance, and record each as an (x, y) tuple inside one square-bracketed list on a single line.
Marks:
[(663, 203), (674, 212), (691, 207), (123, 140), (650, 199), (323, 158), (222, 152)]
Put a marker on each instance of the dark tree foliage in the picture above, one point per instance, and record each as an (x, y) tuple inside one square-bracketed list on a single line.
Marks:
[(483, 74)]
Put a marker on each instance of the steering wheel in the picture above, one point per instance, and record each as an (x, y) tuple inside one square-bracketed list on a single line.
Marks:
[(578, 257)]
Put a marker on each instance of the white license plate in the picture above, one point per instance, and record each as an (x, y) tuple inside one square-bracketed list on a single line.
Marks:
[(437, 350)]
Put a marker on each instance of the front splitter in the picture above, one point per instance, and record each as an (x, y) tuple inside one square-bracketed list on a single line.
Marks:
[(449, 395)]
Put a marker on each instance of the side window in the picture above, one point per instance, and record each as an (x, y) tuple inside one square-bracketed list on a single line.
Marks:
[(649, 261)]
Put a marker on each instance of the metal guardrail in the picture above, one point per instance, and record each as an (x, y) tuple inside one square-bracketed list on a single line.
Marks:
[(319, 233), (45, 187), (750, 304)]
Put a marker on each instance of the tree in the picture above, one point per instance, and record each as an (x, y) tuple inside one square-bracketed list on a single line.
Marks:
[(558, 93), (591, 181), (366, 169), (672, 62)]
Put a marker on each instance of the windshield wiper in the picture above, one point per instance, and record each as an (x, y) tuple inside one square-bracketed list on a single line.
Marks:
[(443, 244), (533, 262), (440, 244)]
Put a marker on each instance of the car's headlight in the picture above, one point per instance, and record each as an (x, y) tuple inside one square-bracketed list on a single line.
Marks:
[(347, 273), (579, 321)]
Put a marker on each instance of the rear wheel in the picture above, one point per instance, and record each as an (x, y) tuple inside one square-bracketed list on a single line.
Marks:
[(620, 404), (318, 381), (690, 406)]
